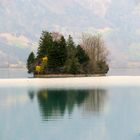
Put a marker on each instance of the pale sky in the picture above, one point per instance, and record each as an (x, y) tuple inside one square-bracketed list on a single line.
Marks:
[(21, 23)]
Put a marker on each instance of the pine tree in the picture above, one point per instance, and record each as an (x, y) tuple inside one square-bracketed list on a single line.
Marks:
[(72, 65), (62, 51), (81, 55), (45, 43), (57, 55), (53, 58), (30, 63), (83, 59), (71, 49), (102, 67)]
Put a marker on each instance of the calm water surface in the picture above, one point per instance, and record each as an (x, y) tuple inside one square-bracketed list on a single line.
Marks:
[(14, 73), (97, 114), (124, 72)]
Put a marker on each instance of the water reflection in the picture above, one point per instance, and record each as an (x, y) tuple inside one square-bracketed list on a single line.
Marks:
[(31, 95), (95, 101), (56, 103), (111, 114)]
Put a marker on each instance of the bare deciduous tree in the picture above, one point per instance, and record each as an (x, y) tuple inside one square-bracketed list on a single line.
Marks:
[(94, 46)]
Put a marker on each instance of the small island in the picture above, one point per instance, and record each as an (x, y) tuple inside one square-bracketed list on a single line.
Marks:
[(60, 57)]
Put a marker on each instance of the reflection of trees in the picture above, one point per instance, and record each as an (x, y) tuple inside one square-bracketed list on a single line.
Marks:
[(53, 103), (56, 102), (31, 95), (95, 101)]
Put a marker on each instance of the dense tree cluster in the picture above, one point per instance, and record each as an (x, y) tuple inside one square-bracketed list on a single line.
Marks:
[(56, 55)]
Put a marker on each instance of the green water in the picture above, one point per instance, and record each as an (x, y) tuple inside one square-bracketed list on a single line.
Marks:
[(46, 114)]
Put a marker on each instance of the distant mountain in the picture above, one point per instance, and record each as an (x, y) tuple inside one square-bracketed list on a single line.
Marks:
[(21, 23)]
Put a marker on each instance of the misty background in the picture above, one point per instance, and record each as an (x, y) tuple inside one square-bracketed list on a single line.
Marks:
[(22, 21)]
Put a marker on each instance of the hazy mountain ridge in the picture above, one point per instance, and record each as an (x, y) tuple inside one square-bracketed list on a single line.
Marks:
[(22, 22)]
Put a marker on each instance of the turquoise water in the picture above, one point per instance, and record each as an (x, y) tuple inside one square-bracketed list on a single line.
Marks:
[(97, 114)]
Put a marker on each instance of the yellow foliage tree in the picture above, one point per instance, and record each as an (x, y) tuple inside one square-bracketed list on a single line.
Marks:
[(45, 59), (38, 69), (44, 63)]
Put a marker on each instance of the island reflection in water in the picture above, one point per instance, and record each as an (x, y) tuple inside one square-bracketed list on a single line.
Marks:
[(54, 104), (97, 114)]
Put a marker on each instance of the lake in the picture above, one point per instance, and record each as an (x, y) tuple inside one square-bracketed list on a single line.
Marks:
[(98, 108), (38, 113), (14, 73), (124, 71)]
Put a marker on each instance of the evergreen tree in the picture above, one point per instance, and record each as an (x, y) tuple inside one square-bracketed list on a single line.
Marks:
[(72, 65), (102, 67), (81, 55), (83, 59), (71, 49), (45, 44), (30, 63), (62, 51), (53, 58), (54, 49)]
